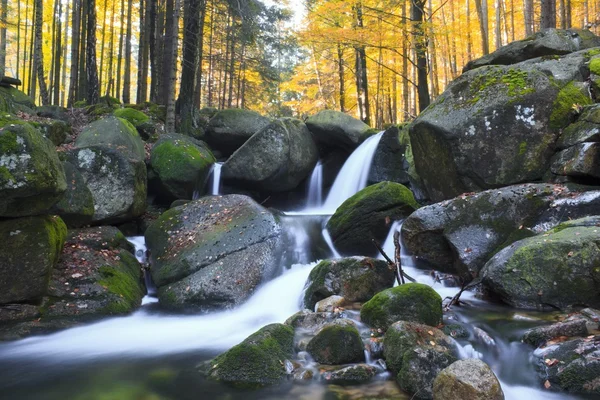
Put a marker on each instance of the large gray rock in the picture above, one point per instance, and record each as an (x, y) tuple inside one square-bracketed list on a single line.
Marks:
[(389, 162), (355, 279), (367, 215), (181, 164), (556, 270), (212, 253), (32, 178), (467, 379), (496, 125), (13, 100), (229, 129), (114, 133), (116, 179), (580, 161), (277, 158), (460, 235), (76, 207), (30, 249), (585, 129), (336, 129)]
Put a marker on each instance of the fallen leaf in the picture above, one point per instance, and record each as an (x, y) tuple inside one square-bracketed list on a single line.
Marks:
[(547, 384)]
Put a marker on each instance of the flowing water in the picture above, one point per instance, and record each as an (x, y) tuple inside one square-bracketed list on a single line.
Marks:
[(315, 187), (215, 179), (151, 354)]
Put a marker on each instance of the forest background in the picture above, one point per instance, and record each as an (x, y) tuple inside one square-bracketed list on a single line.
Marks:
[(382, 61)]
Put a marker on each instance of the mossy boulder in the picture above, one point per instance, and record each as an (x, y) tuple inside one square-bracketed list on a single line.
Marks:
[(413, 302), (467, 379), (355, 279), (496, 125), (556, 270), (52, 112), (548, 42), (460, 235), (389, 162), (367, 215), (76, 207), (576, 369), (213, 252), (13, 100), (229, 129), (30, 249), (135, 117), (54, 130), (32, 178), (182, 165), (540, 335), (115, 133), (116, 179), (337, 343), (579, 161), (585, 129), (277, 158), (256, 362), (338, 130)]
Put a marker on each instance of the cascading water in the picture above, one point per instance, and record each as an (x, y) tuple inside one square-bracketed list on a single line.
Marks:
[(315, 187), (141, 255), (215, 179)]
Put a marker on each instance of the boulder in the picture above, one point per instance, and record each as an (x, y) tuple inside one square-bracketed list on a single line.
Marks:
[(256, 362), (30, 249), (367, 215), (548, 42), (355, 279), (336, 129), (309, 321), (496, 125), (389, 162), (182, 165), (144, 125), (330, 304), (76, 207), (460, 235), (352, 375), (540, 335), (585, 129), (53, 112), (54, 130), (416, 353), (32, 178), (229, 129), (413, 302), (556, 270), (277, 158), (212, 253), (117, 181), (579, 161), (467, 379), (12, 101), (337, 343), (114, 133)]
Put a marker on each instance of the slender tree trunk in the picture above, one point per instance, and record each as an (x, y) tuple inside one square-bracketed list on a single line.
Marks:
[(90, 55), (57, 56), (172, 78), (127, 69), (362, 83), (159, 54), (548, 14), (417, 16), (39, 55), (102, 45), (231, 70), (3, 19), (528, 16), (433, 70), (18, 38), (568, 16), (120, 51), (211, 63), (111, 53), (498, 25), (405, 55), (74, 78), (32, 66), (200, 56), (482, 13), (82, 90), (340, 54), (168, 52), (154, 73)]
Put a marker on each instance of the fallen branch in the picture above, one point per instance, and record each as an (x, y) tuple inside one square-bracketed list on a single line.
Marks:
[(397, 266), (466, 285), (397, 255)]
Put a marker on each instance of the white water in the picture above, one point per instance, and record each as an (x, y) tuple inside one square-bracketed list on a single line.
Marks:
[(315, 187), (139, 242), (215, 179), (145, 334)]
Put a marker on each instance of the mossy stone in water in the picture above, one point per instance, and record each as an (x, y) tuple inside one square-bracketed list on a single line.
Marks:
[(467, 379), (413, 302), (337, 343), (256, 362)]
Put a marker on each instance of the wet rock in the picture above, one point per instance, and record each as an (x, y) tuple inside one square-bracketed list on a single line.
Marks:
[(337, 343), (367, 215), (585, 129), (549, 42), (32, 178), (229, 129), (354, 374), (118, 182), (76, 207), (330, 304), (276, 159), (467, 379), (114, 133), (389, 162), (212, 253), (355, 279), (414, 302), (459, 236), (181, 164), (556, 270), (541, 334), (311, 321), (256, 362), (336, 129), (581, 160), (30, 249)]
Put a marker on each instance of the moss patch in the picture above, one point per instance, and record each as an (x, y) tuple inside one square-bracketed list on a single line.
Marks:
[(562, 108)]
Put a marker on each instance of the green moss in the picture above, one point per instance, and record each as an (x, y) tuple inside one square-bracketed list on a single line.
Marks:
[(121, 282), (337, 344), (522, 148), (591, 53), (175, 159), (595, 66), (562, 108), (8, 142), (135, 117), (515, 83)]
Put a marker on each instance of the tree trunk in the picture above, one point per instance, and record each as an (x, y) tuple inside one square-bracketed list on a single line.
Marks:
[(120, 52), (57, 56), (172, 77), (90, 55), (74, 78), (482, 13), (167, 66), (39, 55), (498, 25), (528, 16), (405, 55), (417, 15), (127, 72), (548, 14), (340, 62), (82, 90), (200, 56), (32, 65), (102, 45), (3, 19), (111, 53), (362, 83)]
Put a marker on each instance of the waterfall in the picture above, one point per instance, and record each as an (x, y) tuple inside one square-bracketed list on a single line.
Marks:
[(354, 174), (139, 242), (315, 188), (215, 179)]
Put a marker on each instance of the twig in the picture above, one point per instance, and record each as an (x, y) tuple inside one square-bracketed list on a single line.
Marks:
[(397, 255), (466, 285), (400, 274)]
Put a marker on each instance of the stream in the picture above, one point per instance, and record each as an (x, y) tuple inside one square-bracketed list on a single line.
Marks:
[(150, 354)]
